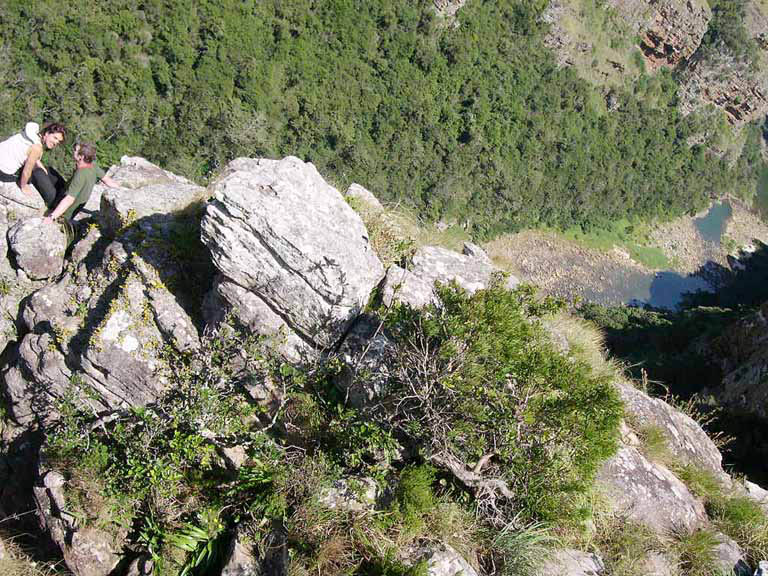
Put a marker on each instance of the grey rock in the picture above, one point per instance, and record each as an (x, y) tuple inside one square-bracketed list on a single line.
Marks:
[(730, 557), (83, 248), (241, 560), (350, 495), (757, 494), (38, 247), (134, 172), (87, 550), (401, 285), (648, 493), (366, 354), (435, 264), (475, 251), (569, 562), (367, 201), (153, 209), (277, 229), (122, 360), (657, 564), (443, 560), (685, 437), (255, 314), (448, 8)]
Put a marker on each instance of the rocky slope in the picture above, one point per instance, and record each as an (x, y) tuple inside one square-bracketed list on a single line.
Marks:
[(669, 35), (290, 261)]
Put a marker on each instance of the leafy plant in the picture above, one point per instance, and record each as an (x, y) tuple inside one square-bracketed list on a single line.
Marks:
[(204, 541), (480, 389)]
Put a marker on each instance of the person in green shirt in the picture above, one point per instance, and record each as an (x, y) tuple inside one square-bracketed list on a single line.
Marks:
[(82, 183)]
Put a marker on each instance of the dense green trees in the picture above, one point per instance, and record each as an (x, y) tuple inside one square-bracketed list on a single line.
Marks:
[(474, 123)]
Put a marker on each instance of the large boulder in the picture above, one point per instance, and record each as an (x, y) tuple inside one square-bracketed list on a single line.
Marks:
[(38, 247), (149, 197), (276, 229), (472, 271), (648, 493), (443, 560), (570, 562), (686, 440)]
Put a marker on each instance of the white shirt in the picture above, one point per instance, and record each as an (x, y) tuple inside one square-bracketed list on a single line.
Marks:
[(14, 151)]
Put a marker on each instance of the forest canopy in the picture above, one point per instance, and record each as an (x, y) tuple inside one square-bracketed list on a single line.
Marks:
[(473, 122)]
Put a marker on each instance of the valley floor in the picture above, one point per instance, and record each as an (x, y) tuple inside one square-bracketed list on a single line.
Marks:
[(563, 267)]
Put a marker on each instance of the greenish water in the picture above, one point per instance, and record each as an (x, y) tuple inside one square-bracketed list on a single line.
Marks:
[(712, 225)]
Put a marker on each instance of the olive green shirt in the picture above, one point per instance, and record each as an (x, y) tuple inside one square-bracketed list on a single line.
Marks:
[(80, 187)]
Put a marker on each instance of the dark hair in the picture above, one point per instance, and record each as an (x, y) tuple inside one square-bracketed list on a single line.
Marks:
[(54, 128), (87, 152)]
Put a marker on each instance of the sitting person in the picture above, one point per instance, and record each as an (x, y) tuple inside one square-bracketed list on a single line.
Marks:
[(21, 160), (80, 186)]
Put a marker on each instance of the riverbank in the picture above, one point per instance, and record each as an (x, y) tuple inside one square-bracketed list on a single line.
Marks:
[(570, 269)]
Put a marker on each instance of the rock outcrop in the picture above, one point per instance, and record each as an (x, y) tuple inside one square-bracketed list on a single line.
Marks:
[(294, 262), (670, 31), (38, 247), (471, 271), (87, 551), (732, 83), (286, 238), (99, 331)]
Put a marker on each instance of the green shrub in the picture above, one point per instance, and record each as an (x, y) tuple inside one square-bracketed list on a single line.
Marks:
[(655, 445), (414, 494), (482, 392)]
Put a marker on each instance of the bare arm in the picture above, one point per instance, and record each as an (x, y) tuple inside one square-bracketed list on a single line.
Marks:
[(33, 157), (109, 183), (65, 203)]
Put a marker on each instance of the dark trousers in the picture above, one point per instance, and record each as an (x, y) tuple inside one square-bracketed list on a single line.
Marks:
[(51, 185)]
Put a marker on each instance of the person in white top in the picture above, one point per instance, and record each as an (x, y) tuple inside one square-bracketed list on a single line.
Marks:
[(21, 160)]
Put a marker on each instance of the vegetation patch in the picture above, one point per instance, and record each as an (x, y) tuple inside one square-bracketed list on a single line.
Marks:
[(498, 431)]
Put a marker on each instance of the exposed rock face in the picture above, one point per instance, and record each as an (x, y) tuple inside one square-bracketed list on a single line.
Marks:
[(38, 247), (154, 208), (448, 8), (350, 495), (738, 87), (277, 230), (570, 562), (685, 438), (87, 551), (364, 197), (100, 330), (241, 561), (730, 84), (648, 493), (15, 285), (443, 560), (741, 353), (670, 30), (435, 264)]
